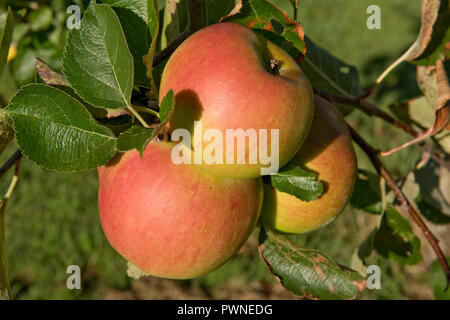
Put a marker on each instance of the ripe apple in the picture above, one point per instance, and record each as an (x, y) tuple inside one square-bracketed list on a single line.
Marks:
[(329, 152), (230, 78), (174, 221)]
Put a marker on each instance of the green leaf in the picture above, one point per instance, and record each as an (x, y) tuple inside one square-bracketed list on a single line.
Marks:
[(41, 19), (328, 73), (297, 182), (171, 22), (153, 18), (274, 24), (6, 31), (133, 18), (431, 212), (55, 130), (97, 62), (45, 74), (216, 9), (166, 106), (23, 66), (366, 247), (365, 196), (165, 112), (136, 137), (439, 281), (117, 124), (395, 239), (431, 199), (138, 7), (153, 26), (308, 273)]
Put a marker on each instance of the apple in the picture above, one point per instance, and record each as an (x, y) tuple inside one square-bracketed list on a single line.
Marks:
[(329, 152), (228, 77), (174, 221)]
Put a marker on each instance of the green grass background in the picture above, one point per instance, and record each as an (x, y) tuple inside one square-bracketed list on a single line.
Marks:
[(52, 219)]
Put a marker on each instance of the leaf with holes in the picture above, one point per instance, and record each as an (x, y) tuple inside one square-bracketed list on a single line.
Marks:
[(395, 239), (56, 131), (308, 273), (366, 195)]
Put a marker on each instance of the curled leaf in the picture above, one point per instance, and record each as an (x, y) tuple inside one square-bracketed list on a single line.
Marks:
[(434, 31), (441, 90)]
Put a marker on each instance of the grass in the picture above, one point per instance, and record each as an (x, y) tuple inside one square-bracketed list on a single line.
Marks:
[(52, 219)]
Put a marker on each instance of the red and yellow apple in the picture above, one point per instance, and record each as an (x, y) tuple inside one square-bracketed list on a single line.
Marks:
[(174, 221), (329, 152), (230, 78)]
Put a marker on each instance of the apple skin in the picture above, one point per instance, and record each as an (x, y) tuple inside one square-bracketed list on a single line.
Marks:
[(220, 75), (329, 152), (174, 221)]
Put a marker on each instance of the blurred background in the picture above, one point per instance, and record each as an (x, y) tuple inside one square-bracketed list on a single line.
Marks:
[(52, 219)]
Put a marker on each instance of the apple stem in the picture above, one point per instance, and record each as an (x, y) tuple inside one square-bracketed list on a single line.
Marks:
[(147, 110), (138, 116)]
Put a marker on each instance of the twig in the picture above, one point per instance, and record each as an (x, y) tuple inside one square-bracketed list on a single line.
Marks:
[(369, 109), (415, 215), (295, 4), (13, 181), (138, 116), (10, 162), (166, 52), (373, 110), (4, 278)]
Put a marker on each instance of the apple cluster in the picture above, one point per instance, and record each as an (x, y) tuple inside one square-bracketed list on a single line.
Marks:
[(182, 221)]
